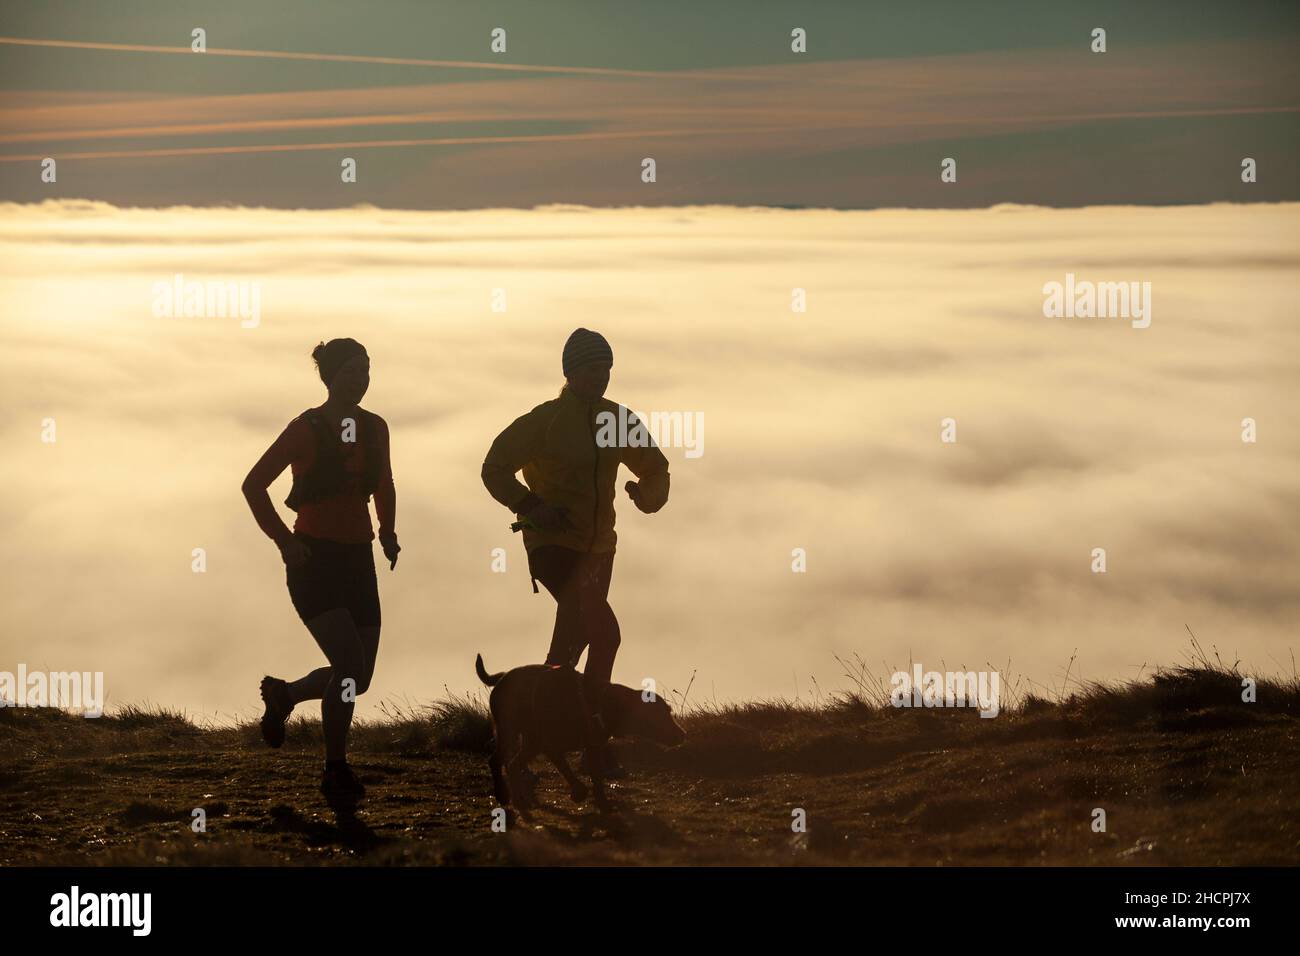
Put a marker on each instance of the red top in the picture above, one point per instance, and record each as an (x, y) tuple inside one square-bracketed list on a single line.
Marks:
[(344, 517)]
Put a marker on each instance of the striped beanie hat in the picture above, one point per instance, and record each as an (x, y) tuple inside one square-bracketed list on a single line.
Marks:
[(585, 347)]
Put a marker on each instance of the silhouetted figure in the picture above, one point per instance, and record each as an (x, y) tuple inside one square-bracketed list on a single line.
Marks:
[(338, 452), (566, 508)]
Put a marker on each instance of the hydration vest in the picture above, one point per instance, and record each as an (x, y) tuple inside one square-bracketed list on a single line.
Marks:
[(326, 477)]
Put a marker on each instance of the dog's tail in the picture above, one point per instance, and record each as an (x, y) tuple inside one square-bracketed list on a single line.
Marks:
[(489, 679)]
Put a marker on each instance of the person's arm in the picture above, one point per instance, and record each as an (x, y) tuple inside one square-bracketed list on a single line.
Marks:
[(385, 493), (386, 499), (650, 491), (512, 449), (268, 468)]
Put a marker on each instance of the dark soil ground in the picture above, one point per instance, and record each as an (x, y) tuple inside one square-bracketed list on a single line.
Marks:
[(1186, 772)]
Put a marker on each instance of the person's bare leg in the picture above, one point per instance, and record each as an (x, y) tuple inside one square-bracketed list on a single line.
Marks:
[(369, 635), (312, 686), (599, 627), (600, 634), (602, 639), (566, 640), (339, 639)]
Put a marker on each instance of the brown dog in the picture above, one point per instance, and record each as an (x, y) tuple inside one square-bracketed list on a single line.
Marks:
[(539, 709)]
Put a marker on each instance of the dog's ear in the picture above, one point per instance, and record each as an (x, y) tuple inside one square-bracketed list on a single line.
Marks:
[(619, 706), (621, 693), (623, 698)]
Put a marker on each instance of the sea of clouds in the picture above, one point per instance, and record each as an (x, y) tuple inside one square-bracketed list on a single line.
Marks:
[(823, 433)]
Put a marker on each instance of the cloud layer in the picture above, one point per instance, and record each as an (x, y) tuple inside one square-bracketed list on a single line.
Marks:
[(822, 433)]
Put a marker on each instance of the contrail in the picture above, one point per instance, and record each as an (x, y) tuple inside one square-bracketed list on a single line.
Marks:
[(374, 144), (972, 122), (382, 60), (257, 126)]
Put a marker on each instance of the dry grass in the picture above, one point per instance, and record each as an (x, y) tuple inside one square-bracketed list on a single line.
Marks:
[(1187, 774)]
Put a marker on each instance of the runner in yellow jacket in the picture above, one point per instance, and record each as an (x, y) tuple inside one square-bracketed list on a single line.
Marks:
[(569, 450)]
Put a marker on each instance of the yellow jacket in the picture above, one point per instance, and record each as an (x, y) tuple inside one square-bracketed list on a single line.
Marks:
[(555, 446)]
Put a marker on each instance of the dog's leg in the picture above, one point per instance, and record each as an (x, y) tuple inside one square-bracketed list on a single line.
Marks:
[(593, 763), (498, 778), (577, 789), (523, 795), (593, 751), (598, 784), (503, 739)]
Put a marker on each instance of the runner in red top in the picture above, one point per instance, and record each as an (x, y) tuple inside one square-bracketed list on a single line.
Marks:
[(343, 517), (338, 454)]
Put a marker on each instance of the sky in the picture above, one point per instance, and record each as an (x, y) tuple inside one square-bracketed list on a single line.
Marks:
[(520, 174), (822, 432), (434, 119)]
